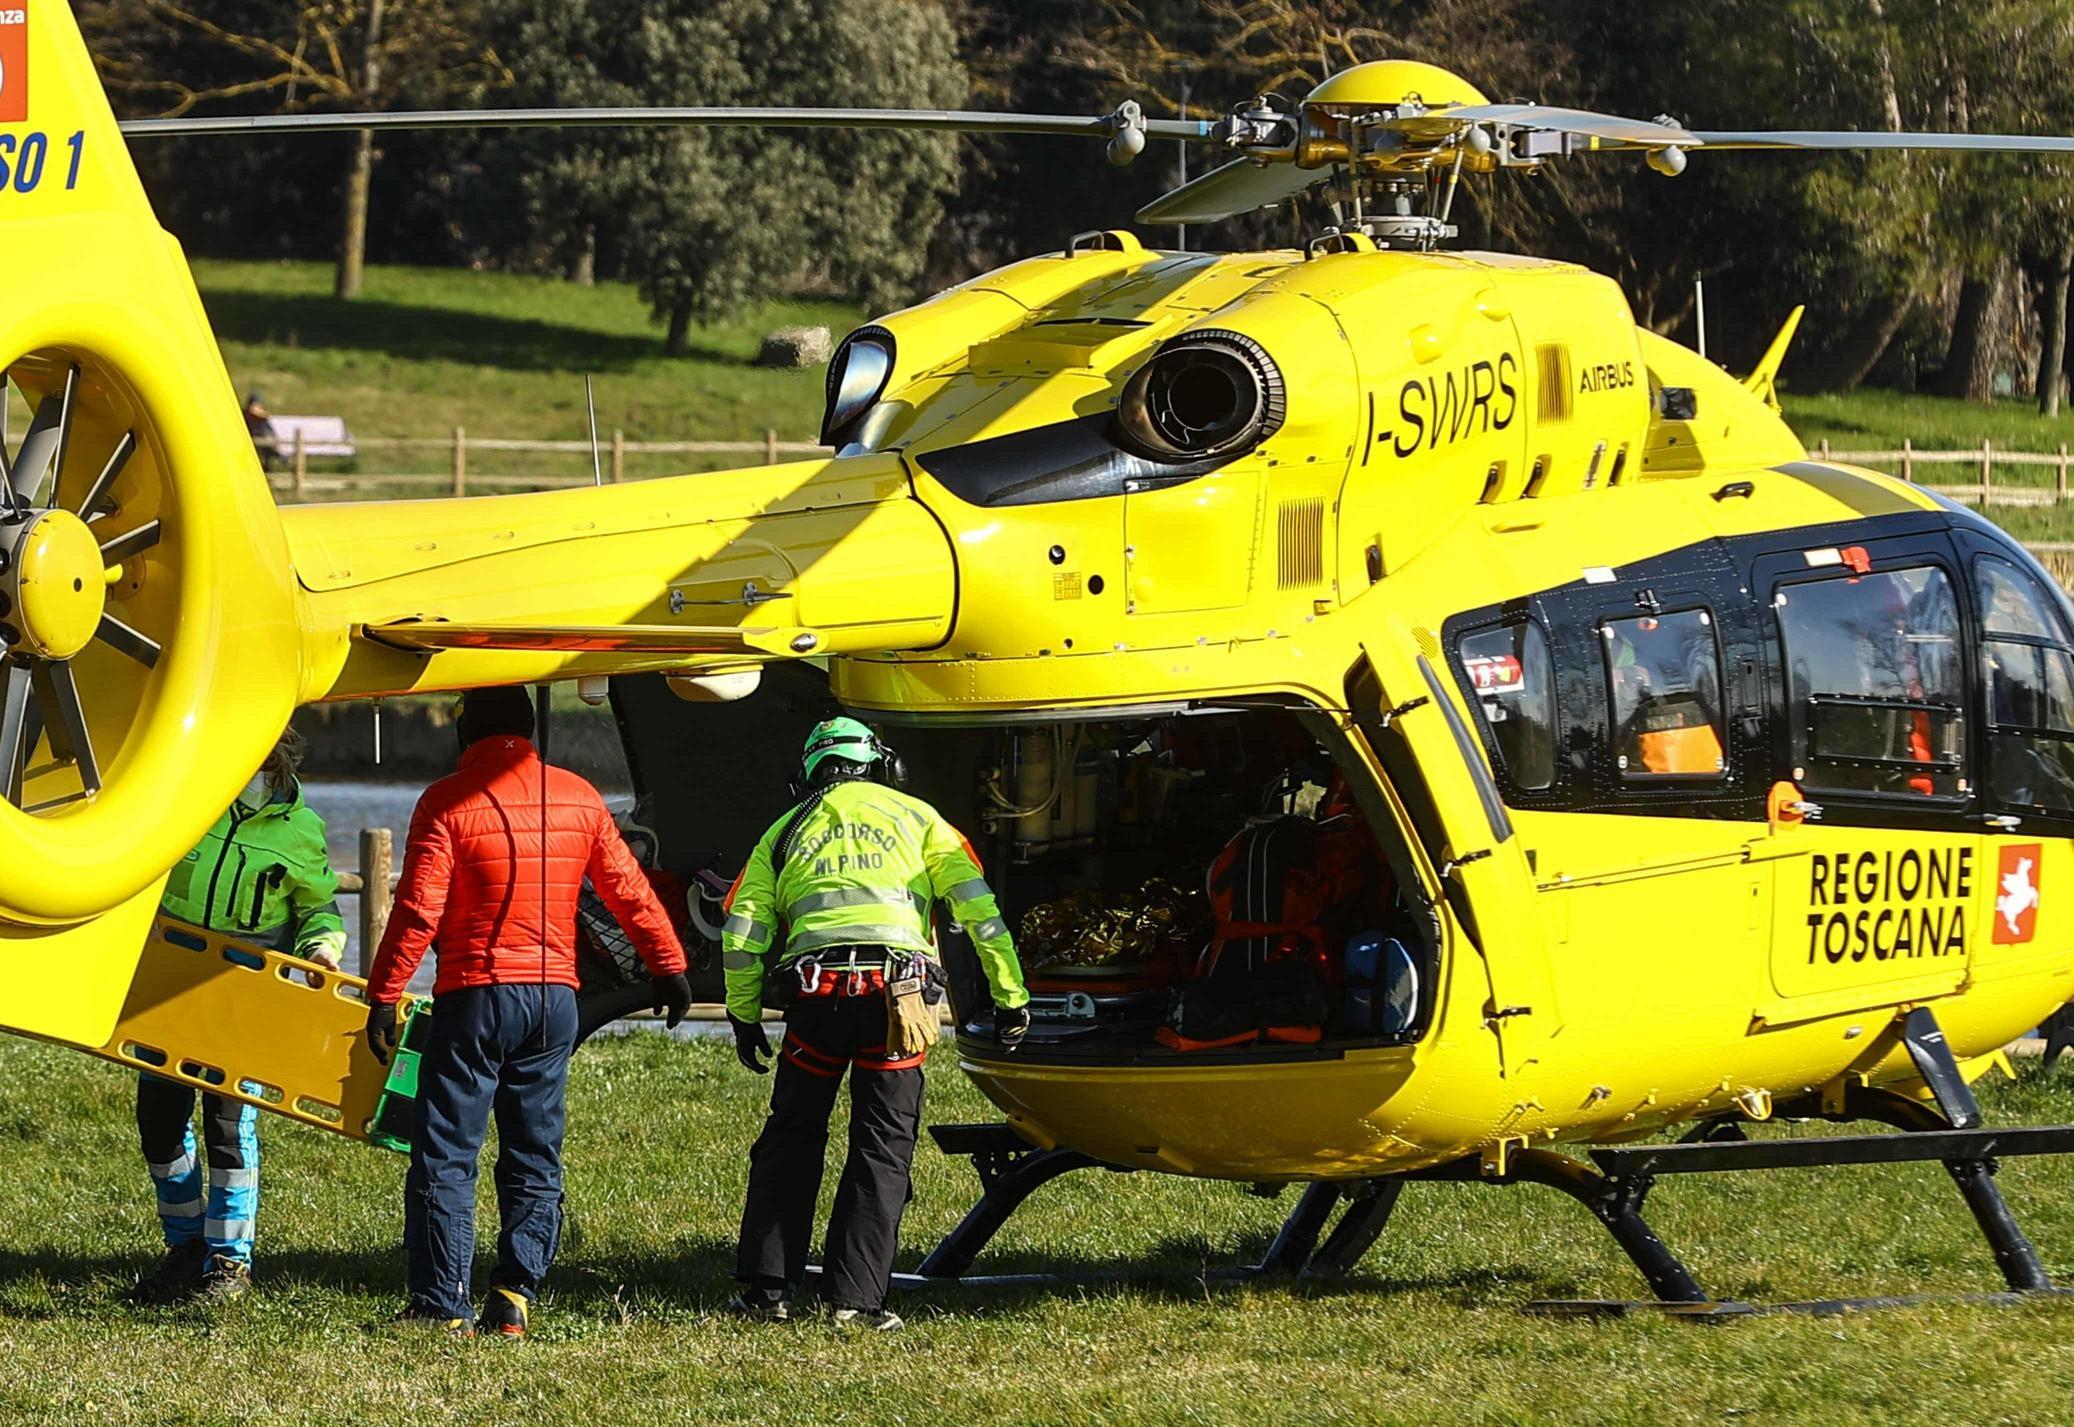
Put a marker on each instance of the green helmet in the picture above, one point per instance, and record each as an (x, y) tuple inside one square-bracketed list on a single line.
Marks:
[(843, 738)]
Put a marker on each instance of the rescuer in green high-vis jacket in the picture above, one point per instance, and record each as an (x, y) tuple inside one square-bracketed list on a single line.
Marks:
[(263, 874), (260, 874), (839, 897)]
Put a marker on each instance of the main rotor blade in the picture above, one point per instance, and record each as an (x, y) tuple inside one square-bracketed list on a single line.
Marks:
[(14, 727), (956, 121), (1237, 187), (43, 448), (1848, 139), (124, 449), (1586, 123), (57, 697), (126, 640), (118, 548)]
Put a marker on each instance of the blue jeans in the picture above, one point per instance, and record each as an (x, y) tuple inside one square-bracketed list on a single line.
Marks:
[(491, 1048)]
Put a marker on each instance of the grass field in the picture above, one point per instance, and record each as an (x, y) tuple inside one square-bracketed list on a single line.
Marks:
[(1427, 1331), (1874, 419), (429, 349)]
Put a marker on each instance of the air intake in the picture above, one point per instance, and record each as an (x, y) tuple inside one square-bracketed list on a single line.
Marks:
[(1302, 544), (1554, 400)]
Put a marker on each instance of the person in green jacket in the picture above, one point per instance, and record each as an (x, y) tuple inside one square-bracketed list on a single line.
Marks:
[(261, 874), (837, 905)]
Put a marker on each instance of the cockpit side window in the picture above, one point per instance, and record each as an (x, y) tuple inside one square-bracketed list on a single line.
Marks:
[(2028, 668), (1663, 675), (1510, 678), (1875, 684)]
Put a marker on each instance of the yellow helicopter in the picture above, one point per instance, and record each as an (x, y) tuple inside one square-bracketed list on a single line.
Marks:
[(1670, 775)]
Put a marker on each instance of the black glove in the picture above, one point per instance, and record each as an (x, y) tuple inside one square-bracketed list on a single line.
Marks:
[(672, 994), (1010, 1026), (381, 1030), (750, 1042)]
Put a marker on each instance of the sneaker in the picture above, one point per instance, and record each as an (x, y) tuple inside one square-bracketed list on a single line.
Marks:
[(503, 1314), (175, 1279), (225, 1280), (761, 1305), (873, 1320), (414, 1319)]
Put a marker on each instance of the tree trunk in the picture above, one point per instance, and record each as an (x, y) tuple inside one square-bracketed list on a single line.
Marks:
[(1969, 363), (584, 271), (2052, 351), (352, 243), (1865, 341), (1890, 96), (679, 341)]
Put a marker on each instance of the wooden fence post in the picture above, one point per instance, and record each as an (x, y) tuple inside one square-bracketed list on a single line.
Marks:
[(377, 853), (1823, 450), (460, 461), (302, 466), (1987, 469), (619, 456), (2060, 480), (770, 448), (1908, 460)]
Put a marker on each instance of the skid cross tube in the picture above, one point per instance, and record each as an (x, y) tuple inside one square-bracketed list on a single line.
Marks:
[(1974, 1174), (1368, 1211), (1010, 1169), (1614, 1186), (1616, 1201), (1298, 1237)]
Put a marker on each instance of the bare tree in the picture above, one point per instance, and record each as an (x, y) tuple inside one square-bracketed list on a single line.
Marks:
[(171, 57)]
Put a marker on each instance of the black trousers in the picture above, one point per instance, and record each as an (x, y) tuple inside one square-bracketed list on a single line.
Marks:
[(825, 1035)]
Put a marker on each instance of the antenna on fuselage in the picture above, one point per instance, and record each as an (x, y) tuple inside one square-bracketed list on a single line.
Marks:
[(590, 403)]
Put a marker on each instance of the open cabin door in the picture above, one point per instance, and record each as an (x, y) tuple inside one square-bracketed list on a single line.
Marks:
[(710, 777), (1404, 710)]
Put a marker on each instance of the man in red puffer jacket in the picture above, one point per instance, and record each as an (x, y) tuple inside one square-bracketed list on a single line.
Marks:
[(497, 855)]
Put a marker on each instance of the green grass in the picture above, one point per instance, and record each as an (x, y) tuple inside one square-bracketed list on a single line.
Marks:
[(1875, 419), (1426, 1331), (425, 350)]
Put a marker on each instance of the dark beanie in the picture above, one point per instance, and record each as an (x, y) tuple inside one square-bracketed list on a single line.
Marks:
[(487, 713)]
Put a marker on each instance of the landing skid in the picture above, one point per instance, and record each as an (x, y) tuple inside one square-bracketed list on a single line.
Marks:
[(1612, 1183)]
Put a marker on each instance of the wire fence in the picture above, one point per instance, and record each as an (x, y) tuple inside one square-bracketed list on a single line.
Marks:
[(299, 473), (2000, 476)]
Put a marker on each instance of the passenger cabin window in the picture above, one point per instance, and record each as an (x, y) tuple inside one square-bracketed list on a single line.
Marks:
[(1512, 680), (1664, 676), (2029, 671), (1876, 691)]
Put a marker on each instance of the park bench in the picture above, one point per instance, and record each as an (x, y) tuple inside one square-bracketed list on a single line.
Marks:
[(324, 436)]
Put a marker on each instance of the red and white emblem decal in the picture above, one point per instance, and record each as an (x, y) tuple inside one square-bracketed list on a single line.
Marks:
[(1496, 674), (2016, 894), (14, 61)]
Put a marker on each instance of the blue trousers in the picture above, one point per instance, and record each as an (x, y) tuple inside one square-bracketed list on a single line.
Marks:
[(230, 1135), (491, 1049)]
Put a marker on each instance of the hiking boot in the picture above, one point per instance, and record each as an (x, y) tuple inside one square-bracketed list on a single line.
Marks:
[(225, 1280), (761, 1305), (414, 1319), (177, 1277), (871, 1320), (503, 1315)]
